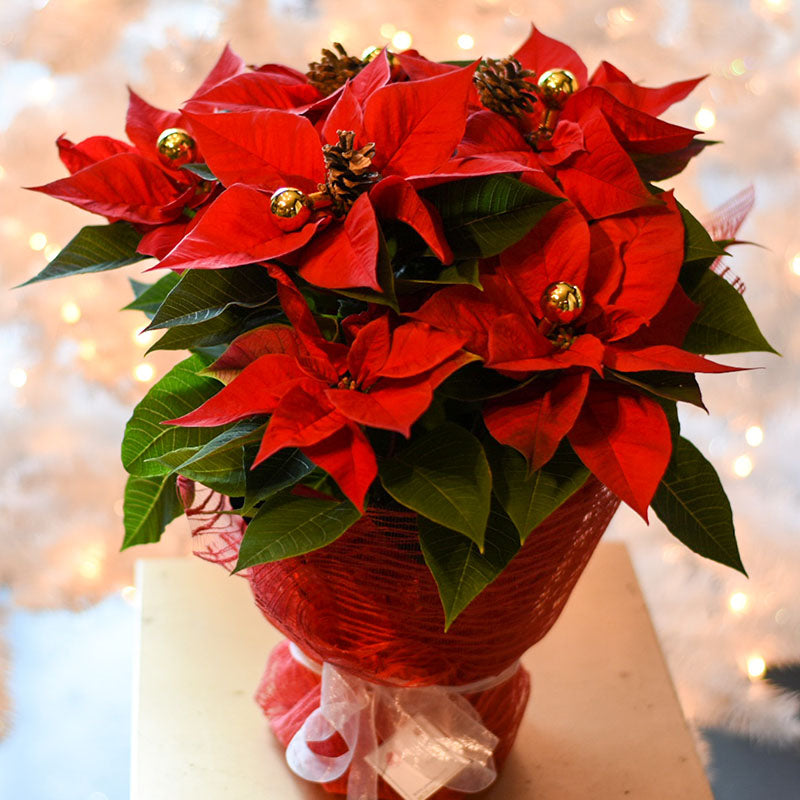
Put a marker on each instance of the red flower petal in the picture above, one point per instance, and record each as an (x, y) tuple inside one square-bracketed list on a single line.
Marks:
[(245, 349), (418, 68), (304, 416), (670, 325), (125, 186), (263, 148), (557, 249), (650, 245), (395, 198), (346, 115), (349, 459), (417, 125), (602, 180), (256, 390), (515, 345), (650, 101), (145, 123), (509, 163), (489, 133), (660, 357), (369, 350), (374, 76), (541, 53), (634, 130), (623, 437), (246, 92), (417, 348), (96, 148), (236, 229), (392, 405), (534, 419), (345, 255), (228, 65)]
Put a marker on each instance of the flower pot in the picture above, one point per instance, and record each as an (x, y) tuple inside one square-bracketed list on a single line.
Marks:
[(367, 607)]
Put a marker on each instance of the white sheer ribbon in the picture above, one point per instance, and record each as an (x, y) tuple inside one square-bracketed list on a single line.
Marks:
[(432, 736)]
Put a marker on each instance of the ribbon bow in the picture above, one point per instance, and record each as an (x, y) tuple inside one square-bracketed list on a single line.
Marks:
[(431, 736)]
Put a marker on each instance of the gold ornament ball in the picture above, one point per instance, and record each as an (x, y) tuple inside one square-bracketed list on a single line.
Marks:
[(290, 208), (556, 86), (176, 147), (561, 303)]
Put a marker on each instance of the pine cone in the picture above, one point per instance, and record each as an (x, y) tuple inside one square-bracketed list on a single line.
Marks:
[(349, 171), (333, 69), (502, 86)]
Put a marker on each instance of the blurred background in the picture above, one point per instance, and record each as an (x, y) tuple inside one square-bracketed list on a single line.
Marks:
[(72, 367)]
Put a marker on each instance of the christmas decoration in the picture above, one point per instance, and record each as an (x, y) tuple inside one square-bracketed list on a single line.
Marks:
[(176, 147), (401, 359)]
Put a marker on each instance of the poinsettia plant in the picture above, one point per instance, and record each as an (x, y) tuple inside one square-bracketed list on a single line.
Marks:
[(455, 288)]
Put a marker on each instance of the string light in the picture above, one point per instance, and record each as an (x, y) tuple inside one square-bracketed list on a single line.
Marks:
[(402, 40), (144, 372), (42, 91), (387, 30), (129, 594), (775, 6), (2, 172), (143, 338), (742, 466), (70, 312), (621, 16), (17, 377), (756, 667), (737, 67), (738, 602), (87, 349), (51, 251), (465, 41), (754, 435), (92, 564), (37, 241), (705, 118), (794, 263)]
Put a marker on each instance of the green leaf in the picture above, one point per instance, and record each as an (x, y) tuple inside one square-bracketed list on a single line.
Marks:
[(443, 475), (461, 272), (691, 502), (287, 525), (150, 296), (223, 471), (202, 294), (220, 330), (96, 248), (181, 390), (724, 324), (529, 498), (484, 216), (201, 170), (698, 244), (281, 470), (678, 386), (150, 505), (460, 570)]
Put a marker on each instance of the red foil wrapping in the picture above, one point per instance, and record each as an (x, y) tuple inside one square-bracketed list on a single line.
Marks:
[(368, 605)]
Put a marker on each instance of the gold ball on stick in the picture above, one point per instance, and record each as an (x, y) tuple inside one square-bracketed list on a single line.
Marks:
[(370, 53), (176, 147), (556, 86), (561, 303), (290, 208)]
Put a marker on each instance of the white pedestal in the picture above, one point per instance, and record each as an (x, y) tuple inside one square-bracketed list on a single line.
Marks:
[(603, 721)]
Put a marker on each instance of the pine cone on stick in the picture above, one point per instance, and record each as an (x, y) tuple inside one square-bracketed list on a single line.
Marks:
[(503, 86), (333, 70), (350, 171)]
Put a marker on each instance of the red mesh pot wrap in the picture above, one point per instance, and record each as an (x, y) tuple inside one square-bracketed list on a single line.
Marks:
[(368, 605)]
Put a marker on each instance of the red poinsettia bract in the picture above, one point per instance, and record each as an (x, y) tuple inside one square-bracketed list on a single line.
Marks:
[(627, 269), (415, 127), (320, 393)]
